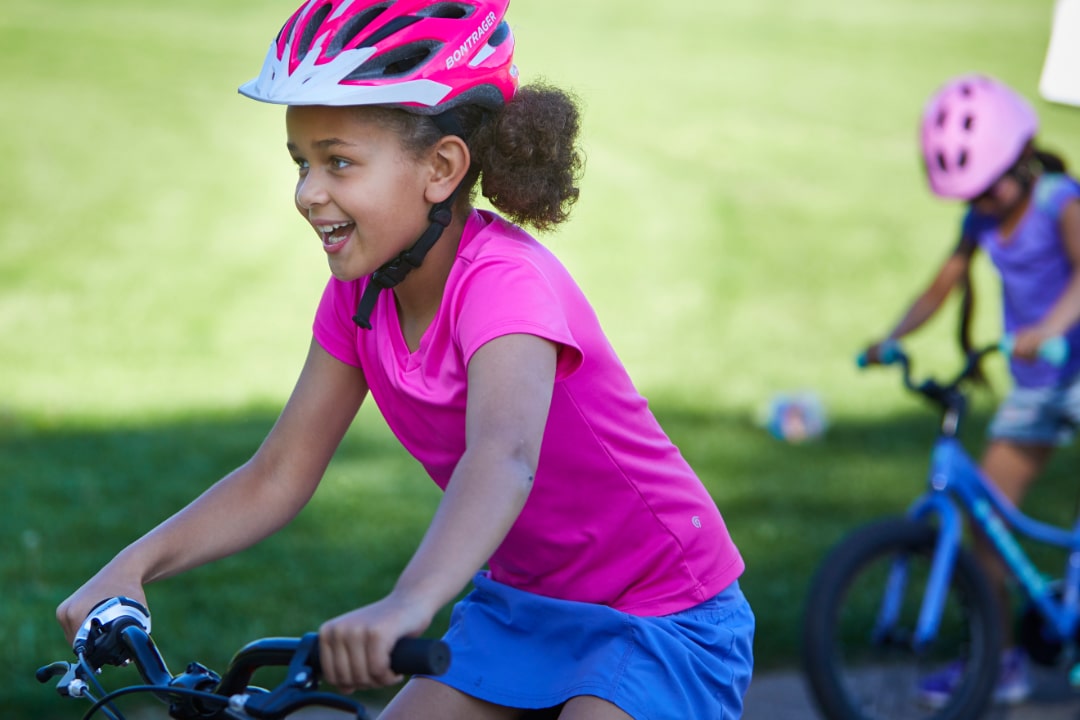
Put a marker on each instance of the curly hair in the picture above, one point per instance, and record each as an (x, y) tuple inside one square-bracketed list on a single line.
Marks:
[(528, 157), (525, 156)]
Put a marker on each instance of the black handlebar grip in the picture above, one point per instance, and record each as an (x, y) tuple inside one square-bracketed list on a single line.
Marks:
[(420, 656)]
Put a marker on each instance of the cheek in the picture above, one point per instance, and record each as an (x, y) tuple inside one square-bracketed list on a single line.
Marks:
[(1009, 191)]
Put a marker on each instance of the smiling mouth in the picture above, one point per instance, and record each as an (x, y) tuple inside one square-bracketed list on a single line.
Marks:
[(336, 233)]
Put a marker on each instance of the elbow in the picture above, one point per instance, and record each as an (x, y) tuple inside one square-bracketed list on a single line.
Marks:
[(521, 464), (525, 474)]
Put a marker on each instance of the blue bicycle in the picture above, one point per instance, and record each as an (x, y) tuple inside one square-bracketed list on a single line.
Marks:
[(901, 597)]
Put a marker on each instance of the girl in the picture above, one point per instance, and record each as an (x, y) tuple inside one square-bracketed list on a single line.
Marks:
[(611, 583), (1024, 211)]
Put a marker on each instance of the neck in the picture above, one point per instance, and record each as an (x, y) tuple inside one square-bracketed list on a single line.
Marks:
[(1012, 217), (418, 296)]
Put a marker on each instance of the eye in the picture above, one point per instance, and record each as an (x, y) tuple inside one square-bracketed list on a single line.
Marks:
[(339, 163), (301, 164)]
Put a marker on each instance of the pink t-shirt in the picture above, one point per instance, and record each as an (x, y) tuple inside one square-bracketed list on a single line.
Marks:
[(616, 516)]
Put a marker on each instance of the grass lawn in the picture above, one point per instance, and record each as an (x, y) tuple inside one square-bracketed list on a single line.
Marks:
[(753, 213)]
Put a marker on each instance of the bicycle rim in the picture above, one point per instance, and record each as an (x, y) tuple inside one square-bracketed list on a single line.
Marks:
[(861, 670)]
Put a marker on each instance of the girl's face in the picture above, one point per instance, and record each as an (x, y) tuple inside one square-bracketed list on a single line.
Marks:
[(1001, 198), (361, 190)]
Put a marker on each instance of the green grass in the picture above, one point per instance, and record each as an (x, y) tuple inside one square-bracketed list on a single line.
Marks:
[(753, 212)]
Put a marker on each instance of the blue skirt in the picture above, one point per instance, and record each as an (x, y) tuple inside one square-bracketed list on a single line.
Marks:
[(517, 649)]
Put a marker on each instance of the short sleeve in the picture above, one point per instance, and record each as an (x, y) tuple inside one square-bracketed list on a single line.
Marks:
[(334, 328), (974, 225), (1054, 192), (511, 295)]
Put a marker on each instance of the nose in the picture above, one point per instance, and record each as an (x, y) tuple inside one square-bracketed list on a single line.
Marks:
[(310, 192)]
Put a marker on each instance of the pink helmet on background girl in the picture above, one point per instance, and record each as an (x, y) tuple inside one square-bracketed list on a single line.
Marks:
[(974, 128), (425, 56)]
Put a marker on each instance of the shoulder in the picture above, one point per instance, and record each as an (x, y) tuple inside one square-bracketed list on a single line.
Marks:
[(507, 282), (1055, 190), (974, 225), (497, 251), (333, 325), (489, 236)]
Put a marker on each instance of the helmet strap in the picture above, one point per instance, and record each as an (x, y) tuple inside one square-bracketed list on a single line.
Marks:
[(395, 271), (448, 122)]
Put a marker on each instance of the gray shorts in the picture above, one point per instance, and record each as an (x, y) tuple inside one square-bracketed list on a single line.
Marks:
[(1038, 416)]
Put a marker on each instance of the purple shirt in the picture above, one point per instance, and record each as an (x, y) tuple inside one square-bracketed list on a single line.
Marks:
[(1035, 270), (616, 516)]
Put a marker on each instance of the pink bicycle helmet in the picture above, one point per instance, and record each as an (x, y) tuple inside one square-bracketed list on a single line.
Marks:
[(973, 130), (425, 56)]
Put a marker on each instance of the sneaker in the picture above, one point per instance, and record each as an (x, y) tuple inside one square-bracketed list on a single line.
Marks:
[(1014, 680), (1013, 684)]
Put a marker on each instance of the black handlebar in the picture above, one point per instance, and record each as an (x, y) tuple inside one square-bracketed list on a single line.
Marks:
[(199, 692), (410, 656)]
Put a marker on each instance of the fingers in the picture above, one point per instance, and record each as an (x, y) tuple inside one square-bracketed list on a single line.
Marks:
[(73, 611), (1027, 343), (65, 615), (354, 656)]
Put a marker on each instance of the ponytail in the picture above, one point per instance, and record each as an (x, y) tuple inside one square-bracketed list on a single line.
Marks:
[(526, 155), (967, 313), (1050, 162)]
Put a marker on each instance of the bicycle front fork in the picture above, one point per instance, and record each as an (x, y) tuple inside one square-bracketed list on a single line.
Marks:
[(950, 532)]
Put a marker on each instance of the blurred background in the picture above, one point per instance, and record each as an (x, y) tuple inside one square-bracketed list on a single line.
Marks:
[(753, 213)]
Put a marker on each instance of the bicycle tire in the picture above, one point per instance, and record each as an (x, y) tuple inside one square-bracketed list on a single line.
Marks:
[(852, 675)]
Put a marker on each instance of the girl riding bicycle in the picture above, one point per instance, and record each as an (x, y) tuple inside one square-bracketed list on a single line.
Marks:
[(1023, 210), (611, 589)]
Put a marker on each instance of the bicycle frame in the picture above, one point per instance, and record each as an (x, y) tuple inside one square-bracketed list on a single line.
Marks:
[(958, 488)]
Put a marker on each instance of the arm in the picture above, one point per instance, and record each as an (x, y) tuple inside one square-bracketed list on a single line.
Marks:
[(511, 380), (249, 503), (1066, 311), (951, 272)]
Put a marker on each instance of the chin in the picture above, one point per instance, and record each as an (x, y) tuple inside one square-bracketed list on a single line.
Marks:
[(347, 274)]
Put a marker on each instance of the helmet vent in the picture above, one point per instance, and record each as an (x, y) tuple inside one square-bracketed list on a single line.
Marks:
[(942, 116), (286, 29), (962, 160), (352, 28), (399, 23), (941, 162), (969, 120), (310, 29), (398, 61), (446, 11), (502, 31), (966, 90)]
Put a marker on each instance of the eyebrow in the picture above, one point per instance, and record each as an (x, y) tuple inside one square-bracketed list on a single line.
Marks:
[(321, 144)]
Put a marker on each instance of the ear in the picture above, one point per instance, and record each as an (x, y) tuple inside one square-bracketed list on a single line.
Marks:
[(450, 159)]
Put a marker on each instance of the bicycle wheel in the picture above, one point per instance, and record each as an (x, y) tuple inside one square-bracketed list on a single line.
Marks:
[(858, 671)]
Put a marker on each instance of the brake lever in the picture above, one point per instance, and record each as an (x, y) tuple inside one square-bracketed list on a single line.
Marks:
[(70, 685), (297, 690)]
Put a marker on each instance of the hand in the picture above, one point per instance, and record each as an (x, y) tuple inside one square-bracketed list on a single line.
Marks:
[(1027, 342), (354, 648), (874, 354), (72, 612)]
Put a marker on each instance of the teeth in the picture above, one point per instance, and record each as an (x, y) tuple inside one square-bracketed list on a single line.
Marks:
[(331, 228)]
